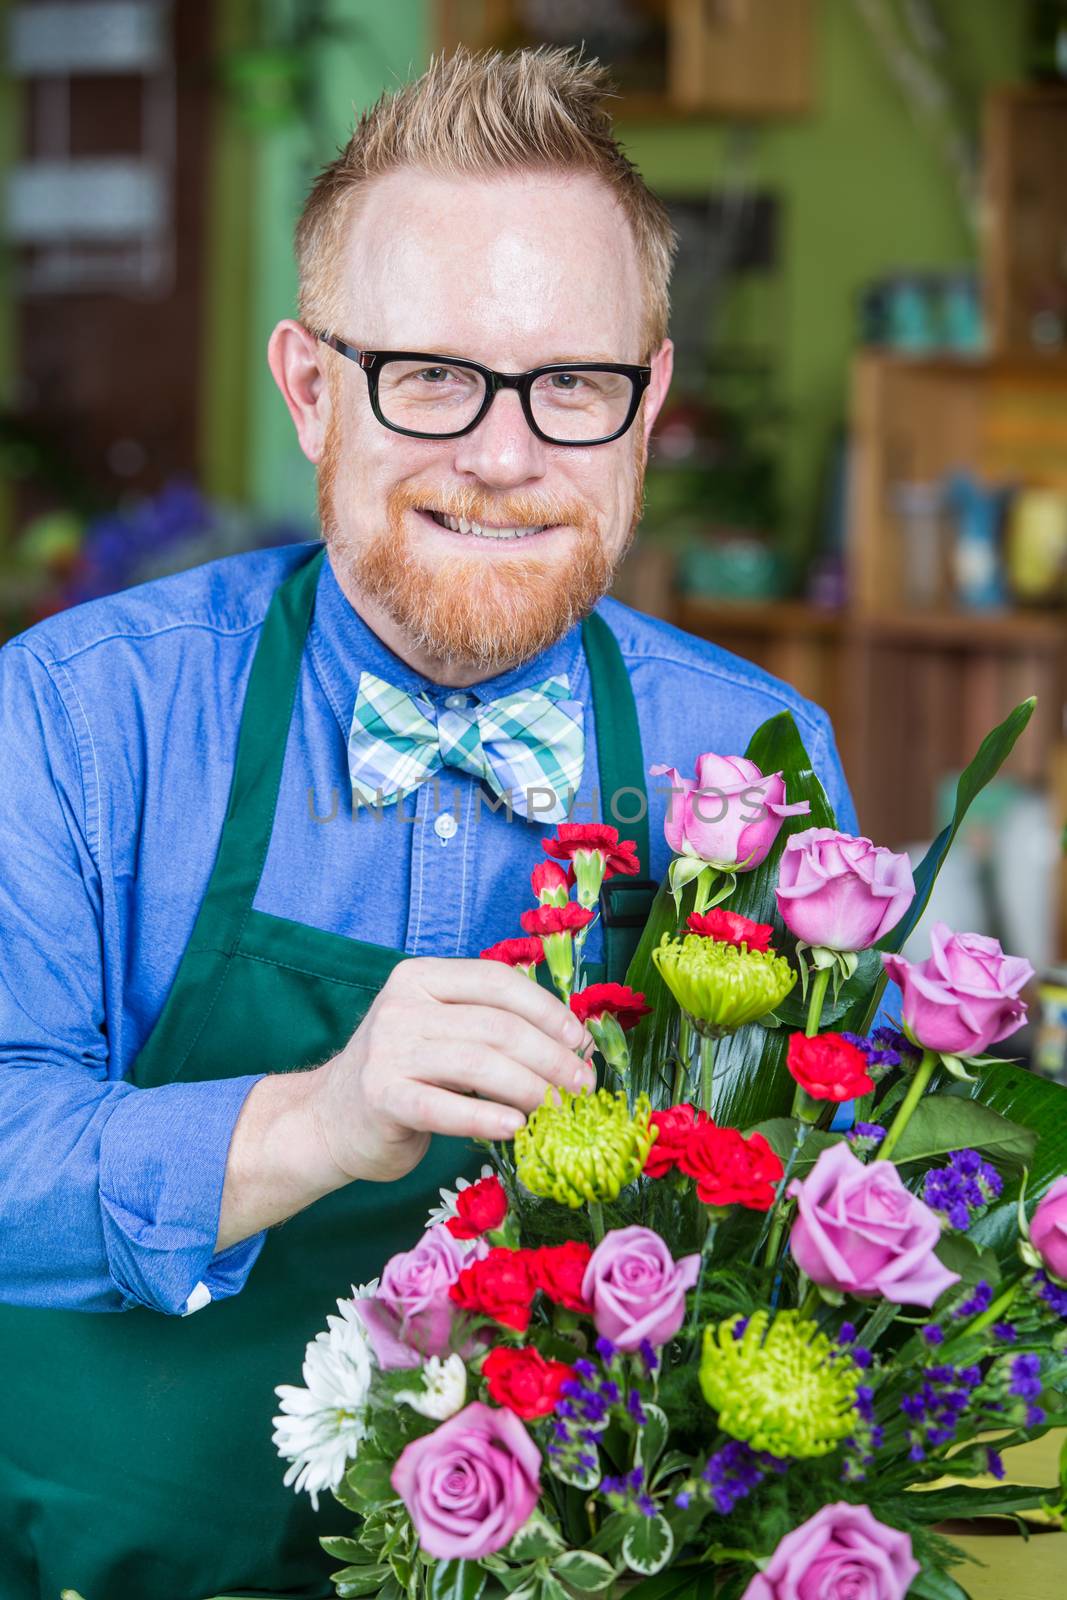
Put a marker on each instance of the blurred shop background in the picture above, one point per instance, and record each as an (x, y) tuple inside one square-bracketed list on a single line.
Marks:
[(860, 480)]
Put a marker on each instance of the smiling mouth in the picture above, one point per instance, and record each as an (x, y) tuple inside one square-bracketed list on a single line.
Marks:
[(479, 530)]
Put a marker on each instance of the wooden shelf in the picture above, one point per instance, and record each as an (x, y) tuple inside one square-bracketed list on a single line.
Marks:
[(974, 630)]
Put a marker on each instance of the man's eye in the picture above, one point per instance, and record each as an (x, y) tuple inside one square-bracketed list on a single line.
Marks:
[(434, 374), (567, 382)]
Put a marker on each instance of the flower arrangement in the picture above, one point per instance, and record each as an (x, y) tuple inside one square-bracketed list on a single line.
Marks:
[(697, 1329)]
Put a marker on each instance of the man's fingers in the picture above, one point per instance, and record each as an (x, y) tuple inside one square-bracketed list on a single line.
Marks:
[(458, 981), (428, 1109), (478, 1069), (511, 1036)]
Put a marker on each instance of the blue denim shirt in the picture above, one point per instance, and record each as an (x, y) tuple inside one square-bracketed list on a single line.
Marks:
[(118, 724)]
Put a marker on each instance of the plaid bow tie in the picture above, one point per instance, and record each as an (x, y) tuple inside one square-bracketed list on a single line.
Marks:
[(530, 740)]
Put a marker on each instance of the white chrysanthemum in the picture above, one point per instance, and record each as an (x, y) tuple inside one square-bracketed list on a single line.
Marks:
[(447, 1208), (322, 1425), (444, 1389)]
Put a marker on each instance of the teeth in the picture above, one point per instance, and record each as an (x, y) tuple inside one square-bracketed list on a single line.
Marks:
[(463, 525)]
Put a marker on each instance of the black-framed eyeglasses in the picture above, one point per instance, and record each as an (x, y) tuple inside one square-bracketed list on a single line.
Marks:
[(441, 397)]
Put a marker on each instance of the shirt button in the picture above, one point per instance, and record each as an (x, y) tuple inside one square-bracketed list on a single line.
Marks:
[(456, 702), (446, 826)]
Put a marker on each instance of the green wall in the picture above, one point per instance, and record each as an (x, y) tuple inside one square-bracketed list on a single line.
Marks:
[(863, 193)]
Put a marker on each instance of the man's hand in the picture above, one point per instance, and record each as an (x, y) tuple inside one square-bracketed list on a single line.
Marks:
[(457, 1047)]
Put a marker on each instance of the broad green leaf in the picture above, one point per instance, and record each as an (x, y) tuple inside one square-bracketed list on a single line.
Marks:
[(944, 1122), (537, 1537), (1040, 1106), (551, 1588), (651, 1438), (583, 1570), (518, 1580), (961, 1255), (580, 1477), (648, 1545), (351, 1581), (676, 1581), (780, 1134), (457, 1580)]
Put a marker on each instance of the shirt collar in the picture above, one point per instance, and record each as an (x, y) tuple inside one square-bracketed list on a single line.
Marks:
[(342, 646)]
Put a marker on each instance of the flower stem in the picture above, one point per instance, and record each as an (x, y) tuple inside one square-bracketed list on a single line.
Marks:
[(707, 1070), (995, 1311), (815, 1001), (916, 1089), (685, 1056), (810, 1303), (596, 1217)]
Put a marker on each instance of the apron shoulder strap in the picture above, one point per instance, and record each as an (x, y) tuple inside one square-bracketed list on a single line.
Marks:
[(625, 902)]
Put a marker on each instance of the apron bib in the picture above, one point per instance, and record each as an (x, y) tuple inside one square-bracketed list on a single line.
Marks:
[(137, 1461)]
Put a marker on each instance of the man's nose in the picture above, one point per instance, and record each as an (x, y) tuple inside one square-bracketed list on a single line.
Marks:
[(502, 451)]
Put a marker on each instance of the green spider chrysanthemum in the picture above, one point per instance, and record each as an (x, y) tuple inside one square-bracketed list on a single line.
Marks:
[(780, 1385), (720, 986), (584, 1149)]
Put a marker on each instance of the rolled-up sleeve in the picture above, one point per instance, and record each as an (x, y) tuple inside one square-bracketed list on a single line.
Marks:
[(109, 1193)]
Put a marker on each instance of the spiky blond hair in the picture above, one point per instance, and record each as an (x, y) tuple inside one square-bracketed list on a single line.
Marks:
[(483, 115)]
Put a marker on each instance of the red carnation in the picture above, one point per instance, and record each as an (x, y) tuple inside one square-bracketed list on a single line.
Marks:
[(572, 837), (524, 1382), (828, 1066), (674, 1125), (556, 919), (559, 1270), (729, 1169), (548, 878), (479, 1207), (730, 928), (515, 952), (626, 1005), (501, 1287)]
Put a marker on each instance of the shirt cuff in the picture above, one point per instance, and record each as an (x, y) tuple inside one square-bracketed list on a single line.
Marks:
[(162, 1163)]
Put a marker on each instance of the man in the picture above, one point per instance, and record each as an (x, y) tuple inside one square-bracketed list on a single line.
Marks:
[(188, 914)]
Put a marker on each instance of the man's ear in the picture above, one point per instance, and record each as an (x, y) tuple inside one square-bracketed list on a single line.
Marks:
[(662, 368), (297, 363)]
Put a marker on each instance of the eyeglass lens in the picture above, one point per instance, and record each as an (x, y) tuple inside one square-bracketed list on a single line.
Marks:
[(569, 407)]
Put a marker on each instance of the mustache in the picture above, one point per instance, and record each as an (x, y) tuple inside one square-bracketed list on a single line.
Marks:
[(505, 510)]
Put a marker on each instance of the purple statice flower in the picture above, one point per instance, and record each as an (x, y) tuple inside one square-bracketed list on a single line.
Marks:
[(994, 1462), (934, 1410), (962, 1190), (933, 1334), (869, 1435), (1053, 1294), (582, 1415), (979, 1300), (862, 1357), (683, 1500), (605, 1350), (886, 1047), (635, 1408), (865, 1137), (846, 1333), (649, 1357), (1025, 1380), (627, 1493), (1006, 1331), (734, 1471)]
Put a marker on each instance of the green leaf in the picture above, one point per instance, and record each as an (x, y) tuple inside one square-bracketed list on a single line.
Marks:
[(457, 1580), (946, 1505), (584, 1571), (581, 1477), (651, 1437), (669, 1585), (346, 1550), (551, 1588), (359, 1580), (933, 1584), (961, 1255), (367, 1484), (944, 1122), (648, 1545), (537, 1537), (1040, 1106), (780, 1134)]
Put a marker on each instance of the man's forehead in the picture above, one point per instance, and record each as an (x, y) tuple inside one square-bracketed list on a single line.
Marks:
[(512, 270)]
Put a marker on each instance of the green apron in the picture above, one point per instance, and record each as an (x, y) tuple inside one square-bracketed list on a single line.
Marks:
[(137, 1462)]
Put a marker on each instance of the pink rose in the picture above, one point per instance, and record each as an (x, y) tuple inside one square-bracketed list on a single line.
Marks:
[(839, 891), (860, 1231), (730, 815), (471, 1484), (636, 1288), (410, 1316), (1048, 1229), (965, 997), (841, 1553)]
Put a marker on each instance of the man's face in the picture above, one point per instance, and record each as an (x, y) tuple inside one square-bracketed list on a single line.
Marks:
[(513, 273)]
